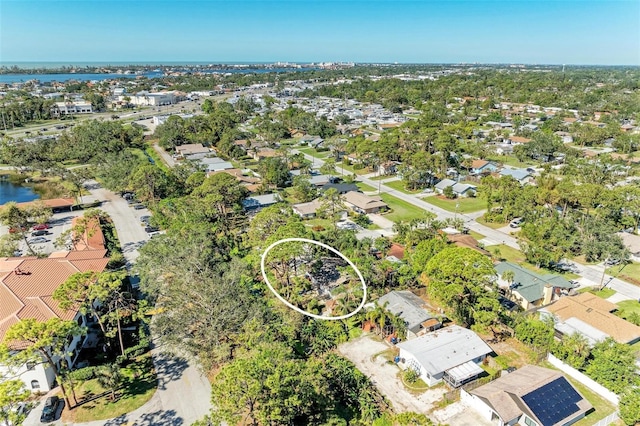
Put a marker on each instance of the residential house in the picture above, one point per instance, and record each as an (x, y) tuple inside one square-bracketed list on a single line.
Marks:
[(257, 202), (342, 187), (467, 241), (313, 141), (307, 210), (530, 289), (517, 140), (444, 183), (413, 311), (215, 164), (388, 168), (483, 166), (261, 153), (592, 317), (191, 148), (464, 190), (361, 203), (531, 395), (26, 289), (521, 175), (450, 354), (632, 243)]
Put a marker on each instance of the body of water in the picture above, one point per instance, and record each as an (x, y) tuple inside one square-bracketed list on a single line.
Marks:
[(48, 78), (17, 193)]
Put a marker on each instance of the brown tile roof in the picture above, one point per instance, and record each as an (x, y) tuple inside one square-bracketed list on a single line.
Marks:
[(476, 164), (595, 312), (93, 238), (397, 250), (27, 285), (363, 201)]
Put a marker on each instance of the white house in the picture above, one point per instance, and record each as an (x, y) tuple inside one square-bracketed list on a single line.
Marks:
[(451, 354)]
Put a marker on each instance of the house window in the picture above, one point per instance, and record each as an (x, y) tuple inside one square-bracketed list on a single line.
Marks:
[(529, 422), (31, 366), (35, 384)]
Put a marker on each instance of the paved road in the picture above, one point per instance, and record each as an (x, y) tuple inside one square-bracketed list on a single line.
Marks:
[(591, 274)]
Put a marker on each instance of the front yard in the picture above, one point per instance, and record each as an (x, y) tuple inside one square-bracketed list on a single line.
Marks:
[(629, 272), (399, 185), (459, 205), (401, 210), (139, 386)]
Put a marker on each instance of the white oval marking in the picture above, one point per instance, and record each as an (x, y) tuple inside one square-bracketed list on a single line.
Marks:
[(302, 311)]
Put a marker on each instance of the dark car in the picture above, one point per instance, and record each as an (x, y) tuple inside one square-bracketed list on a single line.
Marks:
[(50, 409), (39, 233), (150, 229), (139, 206)]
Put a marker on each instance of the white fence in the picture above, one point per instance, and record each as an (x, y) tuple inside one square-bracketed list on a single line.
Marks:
[(587, 381), (611, 418)]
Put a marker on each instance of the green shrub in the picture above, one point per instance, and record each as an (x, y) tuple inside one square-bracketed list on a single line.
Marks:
[(410, 375)]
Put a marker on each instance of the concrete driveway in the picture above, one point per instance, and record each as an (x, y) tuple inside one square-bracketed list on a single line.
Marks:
[(363, 352)]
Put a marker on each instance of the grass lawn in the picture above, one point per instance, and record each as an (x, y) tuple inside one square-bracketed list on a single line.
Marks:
[(465, 205), (492, 225), (476, 235), (629, 307), (381, 177), (136, 392), (340, 165), (629, 272), (399, 186), (364, 187), (604, 293), (325, 223), (402, 211), (312, 152)]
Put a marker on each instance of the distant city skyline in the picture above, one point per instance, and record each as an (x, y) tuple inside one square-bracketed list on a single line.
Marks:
[(605, 32)]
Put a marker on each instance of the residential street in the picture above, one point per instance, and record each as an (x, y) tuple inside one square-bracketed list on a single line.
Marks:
[(591, 274)]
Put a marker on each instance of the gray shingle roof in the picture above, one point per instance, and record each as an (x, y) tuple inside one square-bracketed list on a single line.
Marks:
[(407, 306)]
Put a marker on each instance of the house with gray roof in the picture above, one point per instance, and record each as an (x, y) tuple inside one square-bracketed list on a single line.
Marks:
[(531, 395), (464, 190), (412, 309), (257, 202), (530, 289), (451, 354), (444, 183), (521, 175)]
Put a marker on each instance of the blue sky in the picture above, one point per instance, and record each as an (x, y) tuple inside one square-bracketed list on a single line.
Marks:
[(514, 31)]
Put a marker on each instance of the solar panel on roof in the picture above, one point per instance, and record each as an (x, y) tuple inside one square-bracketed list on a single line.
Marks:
[(553, 402)]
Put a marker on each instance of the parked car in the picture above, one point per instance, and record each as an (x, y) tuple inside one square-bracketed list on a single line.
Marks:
[(50, 409), (150, 229), (139, 206), (39, 233), (38, 240), (515, 223), (41, 227), (14, 230), (145, 219), (611, 262)]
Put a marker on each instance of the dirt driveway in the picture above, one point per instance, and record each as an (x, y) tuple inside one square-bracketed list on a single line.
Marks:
[(363, 353)]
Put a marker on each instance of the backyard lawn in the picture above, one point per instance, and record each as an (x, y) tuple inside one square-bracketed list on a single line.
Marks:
[(629, 272), (465, 205), (402, 211), (603, 294), (140, 385), (478, 236), (629, 307), (398, 185)]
